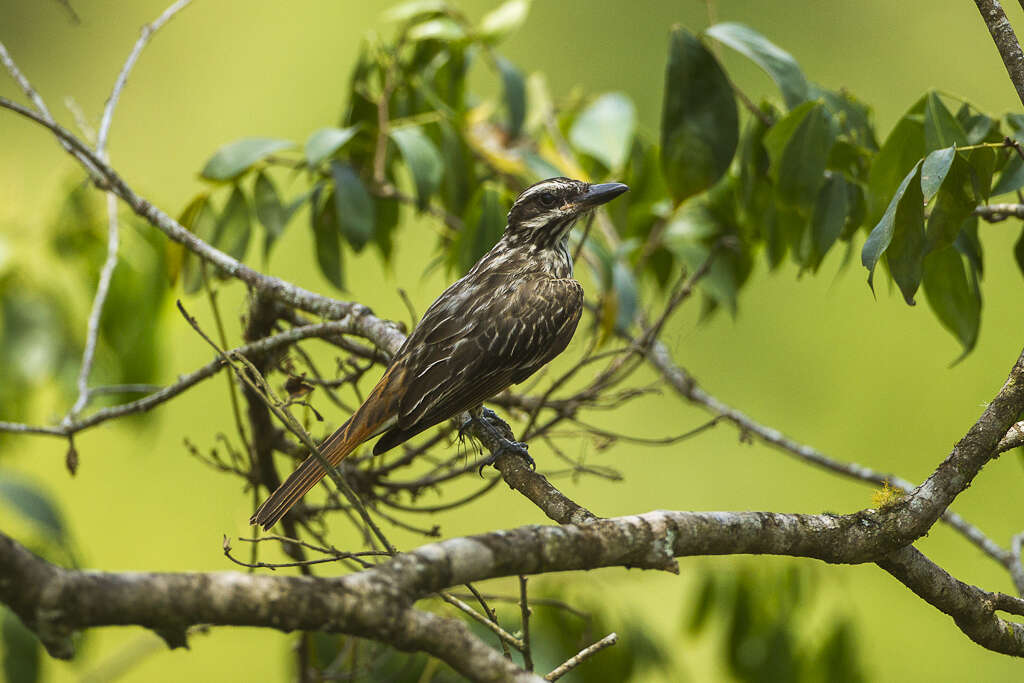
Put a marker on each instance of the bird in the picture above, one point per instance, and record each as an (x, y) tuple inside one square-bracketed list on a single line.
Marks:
[(515, 310)]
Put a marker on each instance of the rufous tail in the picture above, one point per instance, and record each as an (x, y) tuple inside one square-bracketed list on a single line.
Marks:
[(334, 448)]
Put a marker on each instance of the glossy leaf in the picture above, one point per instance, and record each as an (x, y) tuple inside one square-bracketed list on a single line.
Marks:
[(900, 235), (423, 160), (324, 222), (934, 169), (34, 505), (415, 9), (699, 121), (605, 129), (232, 160), (442, 28), (779, 64), (234, 226), (269, 210), (953, 205), (513, 87), (353, 204), (901, 150), (326, 141), (504, 20), (950, 295), (941, 129)]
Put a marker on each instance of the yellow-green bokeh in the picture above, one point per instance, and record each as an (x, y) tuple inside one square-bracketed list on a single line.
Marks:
[(819, 358)]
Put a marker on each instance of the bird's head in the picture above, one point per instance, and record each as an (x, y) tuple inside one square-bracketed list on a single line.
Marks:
[(544, 212)]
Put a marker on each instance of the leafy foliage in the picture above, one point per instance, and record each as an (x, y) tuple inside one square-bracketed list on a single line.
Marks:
[(794, 181)]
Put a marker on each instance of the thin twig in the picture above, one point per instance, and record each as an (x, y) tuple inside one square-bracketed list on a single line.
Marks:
[(490, 625), (582, 656), (524, 608)]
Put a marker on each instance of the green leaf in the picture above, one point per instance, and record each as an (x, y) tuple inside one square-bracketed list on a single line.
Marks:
[(902, 149), (955, 302), (941, 129), (230, 161), (423, 160), (504, 20), (326, 141), (968, 244), (353, 204), (829, 217), (900, 235), (953, 205), (415, 9), (234, 226), (442, 28), (481, 228), (1012, 177), (800, 168), (605, 129), (934, 169), (21, 650), (1018, 252), (200, 219), (34, 505), (699, 121), (387, 214), (779, 64), (325, 231), (514, 89), (982, 162), (269, 210)]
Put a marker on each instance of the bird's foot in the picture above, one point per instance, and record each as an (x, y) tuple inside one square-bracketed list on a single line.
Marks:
[(500, 434), (506, 446)]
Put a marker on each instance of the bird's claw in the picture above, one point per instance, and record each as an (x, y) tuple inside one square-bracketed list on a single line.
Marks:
[(505, 446)]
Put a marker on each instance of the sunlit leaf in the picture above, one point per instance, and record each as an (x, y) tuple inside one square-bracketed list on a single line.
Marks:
[(324, 221), (934, 169), (326, 141), (514, 90), (236, 158), (900, 235), (779, 64), (423, 160), (605, 129), (441, 28), (353, 204), (414, 9), (504, 20), (234, 226), (699, 121)]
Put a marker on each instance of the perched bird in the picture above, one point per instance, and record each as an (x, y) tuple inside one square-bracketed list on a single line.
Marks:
[(514, 311)]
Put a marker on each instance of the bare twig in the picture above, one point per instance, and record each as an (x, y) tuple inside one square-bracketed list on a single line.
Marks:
[(524, 610), (581, 656)]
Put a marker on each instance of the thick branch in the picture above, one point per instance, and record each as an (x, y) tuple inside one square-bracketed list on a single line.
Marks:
[(1005, 40)]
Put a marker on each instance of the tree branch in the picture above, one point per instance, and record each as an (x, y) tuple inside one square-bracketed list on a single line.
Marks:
[(1006, 41)]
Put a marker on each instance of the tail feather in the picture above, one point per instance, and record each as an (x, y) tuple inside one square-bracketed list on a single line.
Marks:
[(334, 449)]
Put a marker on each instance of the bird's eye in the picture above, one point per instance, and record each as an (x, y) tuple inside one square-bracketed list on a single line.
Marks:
[(547, 199)]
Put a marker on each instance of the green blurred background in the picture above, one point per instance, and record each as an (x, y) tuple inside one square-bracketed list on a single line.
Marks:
[(863, 380)]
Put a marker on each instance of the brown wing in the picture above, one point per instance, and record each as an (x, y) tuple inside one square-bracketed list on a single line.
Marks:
[(469, 348)]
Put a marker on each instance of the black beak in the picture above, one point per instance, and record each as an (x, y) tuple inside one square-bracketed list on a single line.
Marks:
[(600, 194)]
